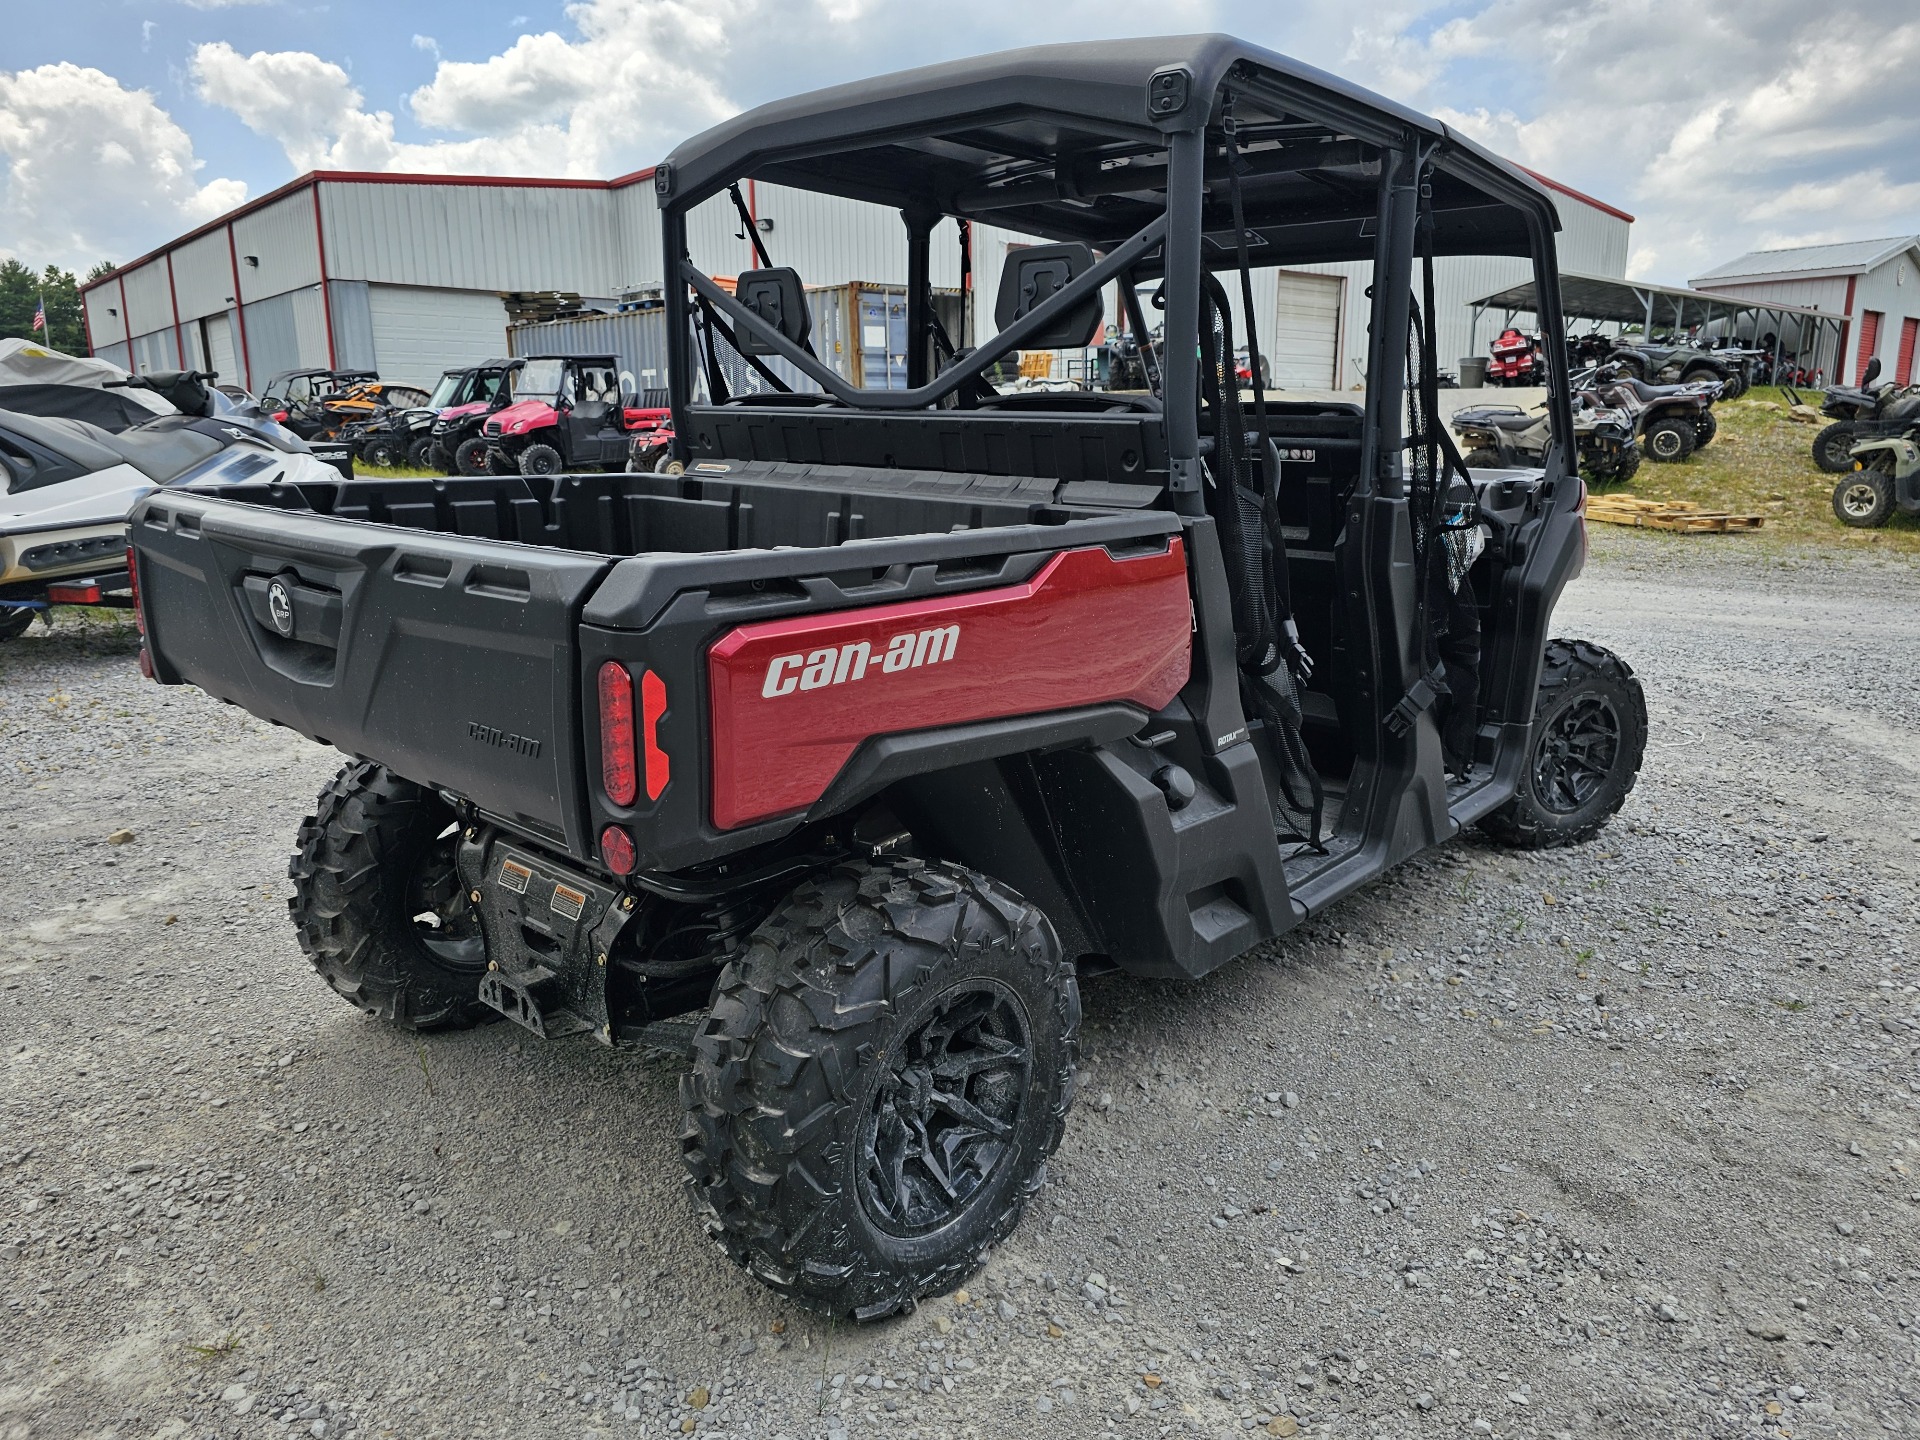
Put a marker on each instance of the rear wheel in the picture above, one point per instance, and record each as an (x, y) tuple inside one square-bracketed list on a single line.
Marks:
[(379, 907), (879, 1083), (1584, 750), (1483, 459), (1668, 441), (1864, 499), (541, 460), (1833, 447), (420, 454), (470, 457)]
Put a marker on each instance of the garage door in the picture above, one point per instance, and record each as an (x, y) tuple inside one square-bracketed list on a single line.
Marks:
[(1303, 352), (217, 343), (417, 333)]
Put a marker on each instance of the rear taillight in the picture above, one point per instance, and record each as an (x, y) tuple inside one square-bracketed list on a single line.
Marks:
[(86, 594), (653, 704), (619, 773), (616, 848)]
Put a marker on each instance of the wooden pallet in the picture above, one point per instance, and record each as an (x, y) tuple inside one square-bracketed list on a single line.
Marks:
[(1681, 515)]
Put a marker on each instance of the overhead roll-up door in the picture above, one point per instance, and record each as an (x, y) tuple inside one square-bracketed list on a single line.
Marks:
[(1303, 353), (418, 332)]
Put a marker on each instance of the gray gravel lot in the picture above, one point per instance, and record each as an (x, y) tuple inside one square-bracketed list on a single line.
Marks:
[(1621, 1140)]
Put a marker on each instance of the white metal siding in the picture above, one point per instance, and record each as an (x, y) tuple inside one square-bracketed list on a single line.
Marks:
[(104, 328), (148, 308), (1893, 289), (1302, 331), (203, 275), (473, 237), (417, 333), (310, 325), (1827, 293), (280, 236)]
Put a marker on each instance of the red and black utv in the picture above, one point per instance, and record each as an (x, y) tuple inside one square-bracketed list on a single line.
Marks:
[(569, 413), (860, 741), (461, 403)]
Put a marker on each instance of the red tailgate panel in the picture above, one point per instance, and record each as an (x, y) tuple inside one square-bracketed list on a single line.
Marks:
[(792, 699)]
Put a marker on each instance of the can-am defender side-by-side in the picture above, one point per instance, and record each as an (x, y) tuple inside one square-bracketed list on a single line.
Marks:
[(897, 711)]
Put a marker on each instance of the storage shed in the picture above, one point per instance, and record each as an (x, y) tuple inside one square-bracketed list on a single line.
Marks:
[(1873, 284)]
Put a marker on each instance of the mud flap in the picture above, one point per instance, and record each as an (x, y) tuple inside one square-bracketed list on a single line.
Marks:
[(549, 930)]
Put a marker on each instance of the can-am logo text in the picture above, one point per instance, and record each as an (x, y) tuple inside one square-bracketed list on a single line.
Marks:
[(837, 664)]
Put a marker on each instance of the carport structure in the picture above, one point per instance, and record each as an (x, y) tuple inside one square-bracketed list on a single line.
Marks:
[(1810, 339)]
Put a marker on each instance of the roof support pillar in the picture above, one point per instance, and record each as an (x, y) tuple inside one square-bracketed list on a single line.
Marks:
[(1186, 163)]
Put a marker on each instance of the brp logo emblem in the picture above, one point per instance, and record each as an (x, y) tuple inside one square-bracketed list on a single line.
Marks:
[(280, 606)]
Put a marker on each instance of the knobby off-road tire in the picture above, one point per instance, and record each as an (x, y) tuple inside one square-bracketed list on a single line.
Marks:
[(1482, 459), (1583, 753), (470, 457), (379, 909), (879, 1083), (1864, 499), (422, 453), (1668, 441), (1833, 447), (14, 623), (541, 460), (499, 462), (1705, 427)]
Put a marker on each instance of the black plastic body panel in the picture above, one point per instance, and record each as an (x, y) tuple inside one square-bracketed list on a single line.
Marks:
[(449, 660)]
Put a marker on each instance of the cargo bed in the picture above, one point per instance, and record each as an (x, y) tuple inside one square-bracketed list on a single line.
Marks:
[(448, 628)]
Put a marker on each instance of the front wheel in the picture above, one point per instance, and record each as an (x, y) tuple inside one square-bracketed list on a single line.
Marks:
[(1705, 427), (1864, 500), (1583, 751), (379, 907), (14, 621), (1668, 441), (879, 1083), (541, 460), (382, 452), (1483, 458), (1833, 447), (470, 457), (420, 454)]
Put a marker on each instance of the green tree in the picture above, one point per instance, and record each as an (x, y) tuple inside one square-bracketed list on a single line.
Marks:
[(21, 292)]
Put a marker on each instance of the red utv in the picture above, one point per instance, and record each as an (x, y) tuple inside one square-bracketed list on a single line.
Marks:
[(568, 414)]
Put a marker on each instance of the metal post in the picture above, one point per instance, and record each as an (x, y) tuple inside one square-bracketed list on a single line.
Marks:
[(679, 322), (1382, 463), (920, 225), (1186, 162)]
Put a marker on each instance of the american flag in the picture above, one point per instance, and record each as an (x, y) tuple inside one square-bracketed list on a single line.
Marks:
[(40, 316)]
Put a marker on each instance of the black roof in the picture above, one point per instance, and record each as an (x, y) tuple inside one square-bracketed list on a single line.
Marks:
[(1065, 119)]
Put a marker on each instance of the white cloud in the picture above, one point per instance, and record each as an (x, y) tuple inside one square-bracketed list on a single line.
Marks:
[(95, 170)]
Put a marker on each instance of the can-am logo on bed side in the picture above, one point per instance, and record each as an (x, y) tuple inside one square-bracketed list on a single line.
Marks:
[(837, 664)]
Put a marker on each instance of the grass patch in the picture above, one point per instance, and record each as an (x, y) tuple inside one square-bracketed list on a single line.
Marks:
[(1761, 463), (364, 471)]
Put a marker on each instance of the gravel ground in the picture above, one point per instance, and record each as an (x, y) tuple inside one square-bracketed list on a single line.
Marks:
[(1617, 1140)]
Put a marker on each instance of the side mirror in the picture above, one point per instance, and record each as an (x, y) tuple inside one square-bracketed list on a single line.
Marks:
[(1872, 372), (777, 297)]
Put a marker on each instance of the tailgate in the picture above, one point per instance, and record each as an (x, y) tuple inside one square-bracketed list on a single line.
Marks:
[(449, 660)]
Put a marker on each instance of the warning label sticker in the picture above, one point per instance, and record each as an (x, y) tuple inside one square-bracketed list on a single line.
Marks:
[(568, 901), (514, 876)]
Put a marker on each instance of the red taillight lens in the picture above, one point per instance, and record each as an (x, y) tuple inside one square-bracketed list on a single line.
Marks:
[(653, 704), (618, 771), (280, 416), (617, 850)]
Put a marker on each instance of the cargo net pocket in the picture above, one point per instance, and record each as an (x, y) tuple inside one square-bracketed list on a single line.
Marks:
[(1246, 510)]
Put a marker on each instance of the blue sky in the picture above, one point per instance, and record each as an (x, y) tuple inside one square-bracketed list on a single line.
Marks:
[(1719, 123)]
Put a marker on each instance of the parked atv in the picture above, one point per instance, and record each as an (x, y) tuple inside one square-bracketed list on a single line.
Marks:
[(1888, 479), (1507, 437), (1868, 411), (568, 414), (1683, 364), (1515, 358), (1670, 421), (391, 439)]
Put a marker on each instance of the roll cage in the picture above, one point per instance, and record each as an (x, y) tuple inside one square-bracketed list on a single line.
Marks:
[(1130, 148)]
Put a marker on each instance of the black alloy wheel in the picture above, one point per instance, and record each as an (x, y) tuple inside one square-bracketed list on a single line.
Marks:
[(1576, 753), (939, 1121)]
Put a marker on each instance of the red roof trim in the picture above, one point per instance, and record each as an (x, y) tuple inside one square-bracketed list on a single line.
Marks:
[(371, 177), (1584, 199)]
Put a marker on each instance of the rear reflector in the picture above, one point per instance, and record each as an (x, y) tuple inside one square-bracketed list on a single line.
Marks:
[(618, 770), (74, 594), (133, 581), (617, 850), (653, 704)]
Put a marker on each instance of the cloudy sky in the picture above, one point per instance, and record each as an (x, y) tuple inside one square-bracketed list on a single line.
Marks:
[(1723, 125)]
